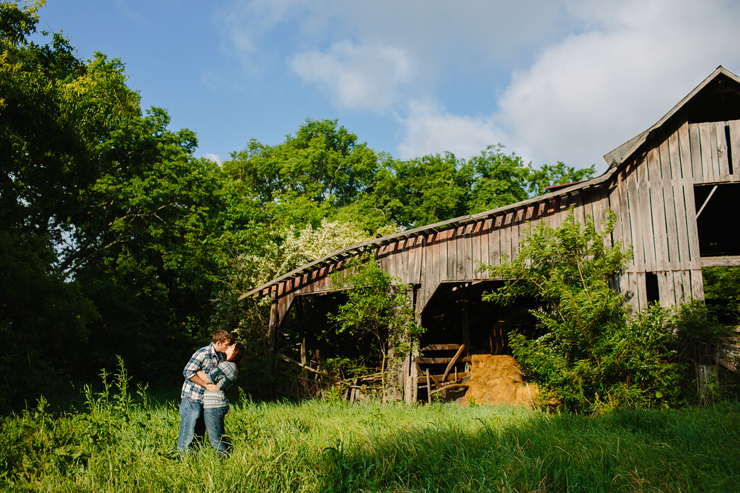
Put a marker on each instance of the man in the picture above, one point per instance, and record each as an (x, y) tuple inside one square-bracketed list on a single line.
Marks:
[(191, 406)]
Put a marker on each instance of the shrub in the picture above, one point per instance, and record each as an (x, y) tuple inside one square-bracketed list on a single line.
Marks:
[(593, 357)]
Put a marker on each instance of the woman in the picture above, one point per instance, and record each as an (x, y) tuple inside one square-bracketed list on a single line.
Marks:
[(215, 403)]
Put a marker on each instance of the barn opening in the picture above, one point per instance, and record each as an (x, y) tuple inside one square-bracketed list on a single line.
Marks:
[(459, 325), (717, 223)]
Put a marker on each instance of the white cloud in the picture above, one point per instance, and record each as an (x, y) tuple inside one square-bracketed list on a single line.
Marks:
[(593, 91), (429, 130), (569, 80), (213, 157), (356, 77)]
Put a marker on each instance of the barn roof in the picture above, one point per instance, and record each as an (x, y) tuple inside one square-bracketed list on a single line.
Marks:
[(626, 150), (616, 157), (371, 245)]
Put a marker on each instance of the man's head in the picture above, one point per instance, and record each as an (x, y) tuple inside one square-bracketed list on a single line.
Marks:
[(221, 340)]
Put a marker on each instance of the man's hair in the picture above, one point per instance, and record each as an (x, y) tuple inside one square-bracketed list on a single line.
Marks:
[(221, 336)]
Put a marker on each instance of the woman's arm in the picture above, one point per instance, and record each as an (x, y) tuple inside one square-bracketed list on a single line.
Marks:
[(206, 381)]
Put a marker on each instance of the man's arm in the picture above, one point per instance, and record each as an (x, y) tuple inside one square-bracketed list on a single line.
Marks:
[(196, 363), (200, 378)]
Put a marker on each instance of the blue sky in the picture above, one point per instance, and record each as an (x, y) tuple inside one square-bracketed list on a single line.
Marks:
[(552, 80)]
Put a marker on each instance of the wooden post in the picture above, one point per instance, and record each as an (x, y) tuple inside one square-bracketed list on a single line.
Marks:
[(466, 329), (452, 363), (429, 388), (272, 329)]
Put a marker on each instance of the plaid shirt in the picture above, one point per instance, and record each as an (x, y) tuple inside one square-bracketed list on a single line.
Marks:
[(205, 358), (223, 376)]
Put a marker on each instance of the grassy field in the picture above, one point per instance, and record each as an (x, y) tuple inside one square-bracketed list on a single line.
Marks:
[(118, 442)]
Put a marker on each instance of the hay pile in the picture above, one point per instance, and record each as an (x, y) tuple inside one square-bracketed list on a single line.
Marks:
[(497, 379)]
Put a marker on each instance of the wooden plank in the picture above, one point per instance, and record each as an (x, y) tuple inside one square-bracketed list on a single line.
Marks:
[(452, 362), (447, 255), (484, 244), (697, 284), (669, 204), (441, 347), (727, 261), (695, 148), (618, 203), (735, 149), (441, 360), (679, 146), (644, 213), (426, 273), (494, 243), (666, 288), (467, 259), (475, 254), (454, 252), (506, 238), (418, 257), (686, 293), (657, 210), (429, 388), (723, 165), (421, 379), (450, 386), (631, 206), (578, 209), (641, 291), (399, 259), (706, 138)]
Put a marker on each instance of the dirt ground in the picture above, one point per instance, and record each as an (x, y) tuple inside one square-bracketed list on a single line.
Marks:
[(497, 379)]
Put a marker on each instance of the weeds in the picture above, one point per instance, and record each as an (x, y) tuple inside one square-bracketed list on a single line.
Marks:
[(122, 442)]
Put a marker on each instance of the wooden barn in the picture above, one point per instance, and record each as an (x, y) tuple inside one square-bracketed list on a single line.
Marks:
[(671, 187)]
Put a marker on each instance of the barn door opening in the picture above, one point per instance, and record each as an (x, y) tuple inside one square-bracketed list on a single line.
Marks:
[(717, 220)]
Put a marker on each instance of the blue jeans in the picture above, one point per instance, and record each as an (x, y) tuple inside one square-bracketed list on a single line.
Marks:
[(214, 418), (190, 411)]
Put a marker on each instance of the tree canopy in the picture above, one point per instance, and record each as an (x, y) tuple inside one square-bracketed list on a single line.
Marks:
[(115, 240)]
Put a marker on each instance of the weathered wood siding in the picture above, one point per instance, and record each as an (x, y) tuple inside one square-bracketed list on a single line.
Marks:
[(652, 195)]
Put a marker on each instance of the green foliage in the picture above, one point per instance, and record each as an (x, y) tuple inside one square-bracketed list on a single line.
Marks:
[(722, 292), (591, 356), (377, 312), (111, 230), (332, 446), (559, 174)]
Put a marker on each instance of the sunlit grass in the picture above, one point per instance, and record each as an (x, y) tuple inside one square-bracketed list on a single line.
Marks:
[(334, 446)]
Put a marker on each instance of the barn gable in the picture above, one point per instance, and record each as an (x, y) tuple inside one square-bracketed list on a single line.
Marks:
[(671, 188)]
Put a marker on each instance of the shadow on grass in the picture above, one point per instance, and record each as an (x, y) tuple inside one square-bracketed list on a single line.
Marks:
[(687, 450)]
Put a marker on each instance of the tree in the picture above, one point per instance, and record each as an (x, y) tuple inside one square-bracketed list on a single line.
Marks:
[(319, 168), (589, 355), (498, 180), (559, 174), (377, 311), (54, 111), (110, 227)]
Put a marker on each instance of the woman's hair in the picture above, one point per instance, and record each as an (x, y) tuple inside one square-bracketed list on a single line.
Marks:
[(238, 355)]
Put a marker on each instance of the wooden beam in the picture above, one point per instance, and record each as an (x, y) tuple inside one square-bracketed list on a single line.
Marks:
[(452, 362), (451, 386), (305, 367), (429, 389), (729, 261), (420, 380), (441, 347), (441, 361)]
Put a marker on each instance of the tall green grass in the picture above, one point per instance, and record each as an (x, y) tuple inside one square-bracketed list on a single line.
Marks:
[(121, 442)]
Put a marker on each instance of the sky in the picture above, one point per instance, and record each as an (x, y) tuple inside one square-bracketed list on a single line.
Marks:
[(551, 80)]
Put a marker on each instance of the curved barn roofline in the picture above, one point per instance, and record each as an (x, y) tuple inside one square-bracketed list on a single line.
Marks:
[(371, 245), (614, 159)]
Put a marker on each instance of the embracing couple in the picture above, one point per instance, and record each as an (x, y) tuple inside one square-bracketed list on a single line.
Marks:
[(207, 377)]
